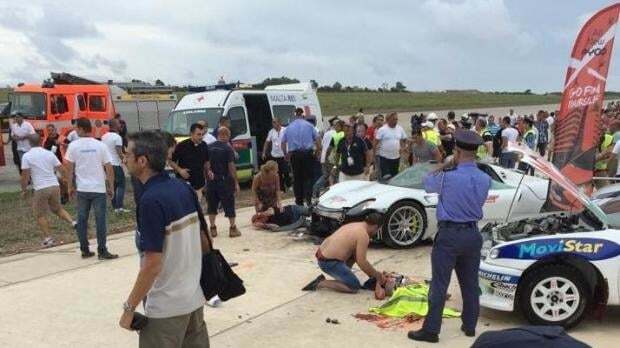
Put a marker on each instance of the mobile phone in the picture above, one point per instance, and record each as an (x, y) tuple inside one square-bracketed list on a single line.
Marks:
[(139, 321)]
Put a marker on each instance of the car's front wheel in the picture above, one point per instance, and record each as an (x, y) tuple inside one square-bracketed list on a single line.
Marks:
[(404, 225), (554, 295)]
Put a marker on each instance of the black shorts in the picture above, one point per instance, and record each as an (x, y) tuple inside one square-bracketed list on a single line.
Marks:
[(221, 191)]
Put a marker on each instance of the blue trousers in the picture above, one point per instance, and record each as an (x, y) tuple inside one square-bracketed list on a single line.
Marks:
[(456, 247), (507, 160), (86, 200), (119, 187)]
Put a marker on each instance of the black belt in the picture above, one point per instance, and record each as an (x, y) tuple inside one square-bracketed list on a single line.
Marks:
[(302, 151), (457, 224)]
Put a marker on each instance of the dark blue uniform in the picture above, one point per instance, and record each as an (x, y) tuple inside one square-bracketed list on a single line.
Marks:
[(462, 193)]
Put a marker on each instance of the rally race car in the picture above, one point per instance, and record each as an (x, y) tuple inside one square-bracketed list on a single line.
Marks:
[(410, 210), (553, 268)]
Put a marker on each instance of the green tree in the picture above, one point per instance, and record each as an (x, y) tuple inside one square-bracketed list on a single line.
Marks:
[(400, 87), (337, 86)]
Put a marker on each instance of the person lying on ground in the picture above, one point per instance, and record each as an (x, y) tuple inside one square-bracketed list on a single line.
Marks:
[(288, 218), (345, 247)]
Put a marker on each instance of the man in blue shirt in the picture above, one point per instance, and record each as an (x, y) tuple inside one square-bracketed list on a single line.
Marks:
[(462, 189), (172, 236), (299, 142)]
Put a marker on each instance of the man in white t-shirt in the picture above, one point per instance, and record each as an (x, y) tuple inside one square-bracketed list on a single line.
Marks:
[(39, 166), (513, 117), (208, 138), (508, 159), (114, 143), (90, 159), (390, 141), (20, 130), (274, 141)]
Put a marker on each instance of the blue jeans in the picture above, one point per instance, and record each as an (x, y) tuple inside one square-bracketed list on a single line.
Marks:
[(507, 160), (98, 201), (119, 187), (341, 272), (323, 180)]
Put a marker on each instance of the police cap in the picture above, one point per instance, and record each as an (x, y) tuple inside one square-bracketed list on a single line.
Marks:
[(467, 140)]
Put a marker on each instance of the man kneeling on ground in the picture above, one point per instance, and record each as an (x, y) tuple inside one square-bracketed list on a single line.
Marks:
[(345, 247)]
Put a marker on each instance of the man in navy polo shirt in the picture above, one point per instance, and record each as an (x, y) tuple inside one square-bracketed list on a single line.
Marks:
[(172, 240)]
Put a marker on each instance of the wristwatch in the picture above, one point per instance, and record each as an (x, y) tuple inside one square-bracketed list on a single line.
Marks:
[(128, 308)]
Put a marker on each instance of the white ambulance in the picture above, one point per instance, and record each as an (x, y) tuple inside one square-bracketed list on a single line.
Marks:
[(250, 112)]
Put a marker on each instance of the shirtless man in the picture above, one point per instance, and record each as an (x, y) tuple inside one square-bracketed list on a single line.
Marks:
[(345, 247)]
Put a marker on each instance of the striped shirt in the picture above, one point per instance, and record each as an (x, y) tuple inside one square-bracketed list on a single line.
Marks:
[(168, 224)]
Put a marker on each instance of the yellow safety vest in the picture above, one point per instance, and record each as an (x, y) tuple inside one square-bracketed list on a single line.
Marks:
[(410, 299), (607, 141), (432, 136)]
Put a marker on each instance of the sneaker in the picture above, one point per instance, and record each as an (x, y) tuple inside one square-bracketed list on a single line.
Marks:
[(313, 284), (213, 231), (106, 255), (48, 242), (123, 210), (86, 254), (234, 232)]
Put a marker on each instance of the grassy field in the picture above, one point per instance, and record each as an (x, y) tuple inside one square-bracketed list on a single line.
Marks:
[(349, 102), (20, 233), (343, 103)]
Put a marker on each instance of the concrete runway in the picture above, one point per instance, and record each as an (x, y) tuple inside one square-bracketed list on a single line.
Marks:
[(53, 298)]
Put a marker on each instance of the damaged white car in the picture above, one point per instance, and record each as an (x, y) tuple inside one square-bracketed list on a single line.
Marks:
[(555, 267), (410, 210)]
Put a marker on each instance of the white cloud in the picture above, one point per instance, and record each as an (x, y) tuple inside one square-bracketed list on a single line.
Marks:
[(429, 44)]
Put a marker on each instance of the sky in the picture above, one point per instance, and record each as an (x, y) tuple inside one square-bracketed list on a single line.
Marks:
[(490, 45)]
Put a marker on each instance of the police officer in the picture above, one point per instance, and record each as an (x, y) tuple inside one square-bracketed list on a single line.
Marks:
[(299, 142), (462, 190)]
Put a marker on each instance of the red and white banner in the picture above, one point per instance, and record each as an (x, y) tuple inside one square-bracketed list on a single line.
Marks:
[(578, 125)]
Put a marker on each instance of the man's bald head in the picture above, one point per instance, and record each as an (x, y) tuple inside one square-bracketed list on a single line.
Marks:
[(223, 134), (34, 139)]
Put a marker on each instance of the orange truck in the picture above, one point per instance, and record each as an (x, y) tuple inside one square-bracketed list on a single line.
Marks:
[(49, 103), (65, 98)]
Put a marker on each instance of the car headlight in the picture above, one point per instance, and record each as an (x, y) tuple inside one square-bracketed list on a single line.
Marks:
[(359, 208), (487, 245), (494, 253)]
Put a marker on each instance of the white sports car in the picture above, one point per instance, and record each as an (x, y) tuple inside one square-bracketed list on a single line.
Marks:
[(410, 210), (556, 267)]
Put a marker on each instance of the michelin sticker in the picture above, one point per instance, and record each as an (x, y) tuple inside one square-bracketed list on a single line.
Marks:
[(588, 248)]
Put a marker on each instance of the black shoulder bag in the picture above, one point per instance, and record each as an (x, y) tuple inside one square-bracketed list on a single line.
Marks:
[(217, 278)]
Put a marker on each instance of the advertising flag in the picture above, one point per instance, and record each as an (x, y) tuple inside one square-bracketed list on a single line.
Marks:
[(578, 124)]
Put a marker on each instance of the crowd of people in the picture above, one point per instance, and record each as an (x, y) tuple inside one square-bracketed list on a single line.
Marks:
[(171, 180)]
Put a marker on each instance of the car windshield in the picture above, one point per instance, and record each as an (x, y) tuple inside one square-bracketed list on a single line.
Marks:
[(179, 122), (413, 176), (31, 105)]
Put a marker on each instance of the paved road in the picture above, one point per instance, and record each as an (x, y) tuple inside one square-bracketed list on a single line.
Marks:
[(53, 298)]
